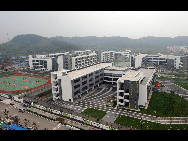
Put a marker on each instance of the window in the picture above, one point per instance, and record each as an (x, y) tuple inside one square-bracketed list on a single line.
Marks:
[(126, 90)]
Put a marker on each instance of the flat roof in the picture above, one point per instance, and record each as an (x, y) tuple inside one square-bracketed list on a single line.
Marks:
[(79, 56), (117, 68), (130, 75), (148, 73), (78, 73), (135, 75)]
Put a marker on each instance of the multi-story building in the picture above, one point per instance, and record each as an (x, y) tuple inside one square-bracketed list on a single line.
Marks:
[(122, 56), (135, 87), (110, 56), (107, 56), (169, 61), (42, 62), (112, 74), (138, 60), (86, 52), (82, 61), (68, 85), (65, 61), (177, 49), (79, 59), (59, 61)]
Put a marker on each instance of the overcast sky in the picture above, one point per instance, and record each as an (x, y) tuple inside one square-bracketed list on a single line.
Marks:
[(132, 24)]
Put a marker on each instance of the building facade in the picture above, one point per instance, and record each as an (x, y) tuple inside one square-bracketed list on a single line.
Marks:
[(107, 56), (110, 56), (68, 85), (138, 60), (112, 74), (41, 62), (169, 61), (135, 87), (82, 61)]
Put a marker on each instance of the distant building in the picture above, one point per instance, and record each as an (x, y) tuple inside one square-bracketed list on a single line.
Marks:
[(23, 56), (169, 61), (107, 56), (138, 60), (42, 62)]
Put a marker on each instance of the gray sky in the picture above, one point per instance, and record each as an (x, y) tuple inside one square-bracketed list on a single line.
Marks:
[(132, 24)]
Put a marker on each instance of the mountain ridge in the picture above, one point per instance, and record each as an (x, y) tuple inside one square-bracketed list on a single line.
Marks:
[(23, 44)]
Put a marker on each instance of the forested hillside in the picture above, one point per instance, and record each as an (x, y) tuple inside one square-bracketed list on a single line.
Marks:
[(22, 44), (144, 44)]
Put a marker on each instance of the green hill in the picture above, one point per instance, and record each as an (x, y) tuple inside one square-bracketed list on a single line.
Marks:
[(142, 45), (20, 45)]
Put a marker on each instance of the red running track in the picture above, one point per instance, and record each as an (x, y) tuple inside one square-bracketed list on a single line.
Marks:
[(47, 83)]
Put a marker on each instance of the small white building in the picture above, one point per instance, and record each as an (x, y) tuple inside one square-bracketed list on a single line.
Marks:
[(40, 62), (137, 60), (107, 56)]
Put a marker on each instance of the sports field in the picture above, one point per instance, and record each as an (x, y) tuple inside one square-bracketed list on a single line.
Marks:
[(122, 64), (20, 83)]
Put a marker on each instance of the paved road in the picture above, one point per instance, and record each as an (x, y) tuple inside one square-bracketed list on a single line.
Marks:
[(175, 88), (40, 121)]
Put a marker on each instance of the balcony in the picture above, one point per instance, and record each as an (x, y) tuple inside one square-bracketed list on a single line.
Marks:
[(121, 94), (55, 90), (121, 86)]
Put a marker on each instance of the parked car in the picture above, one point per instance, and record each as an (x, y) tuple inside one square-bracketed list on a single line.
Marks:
[(22, 110), (30, 128), (12, 104)]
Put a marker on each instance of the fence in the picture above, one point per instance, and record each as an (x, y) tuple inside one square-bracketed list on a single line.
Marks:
[(73, 117)]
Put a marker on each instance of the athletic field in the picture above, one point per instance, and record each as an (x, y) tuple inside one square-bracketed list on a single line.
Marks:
[(21, 83)]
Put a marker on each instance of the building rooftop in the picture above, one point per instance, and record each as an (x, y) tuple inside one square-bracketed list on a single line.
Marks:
[(136, 75), (131, 75), (79, 56), (140, 55), (84, 71), (117, 68), (148, 73)]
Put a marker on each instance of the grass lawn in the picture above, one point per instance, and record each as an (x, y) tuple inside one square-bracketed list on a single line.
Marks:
[(166, 105), (179, 75), (94, 113), (147, 125), (44, 93), (183, 85), (175, 79)]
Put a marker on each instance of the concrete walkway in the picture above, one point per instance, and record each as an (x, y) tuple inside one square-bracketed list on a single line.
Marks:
[(110, 117)]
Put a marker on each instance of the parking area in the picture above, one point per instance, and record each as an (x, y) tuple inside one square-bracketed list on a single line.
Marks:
[(27, 119)]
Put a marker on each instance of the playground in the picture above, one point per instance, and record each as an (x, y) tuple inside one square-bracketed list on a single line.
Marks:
[(21, 83)]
